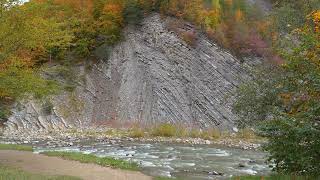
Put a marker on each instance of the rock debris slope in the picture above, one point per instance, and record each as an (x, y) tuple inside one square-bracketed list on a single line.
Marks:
[(152, 76)]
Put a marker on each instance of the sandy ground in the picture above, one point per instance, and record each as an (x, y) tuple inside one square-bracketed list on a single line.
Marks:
[(41, 164)]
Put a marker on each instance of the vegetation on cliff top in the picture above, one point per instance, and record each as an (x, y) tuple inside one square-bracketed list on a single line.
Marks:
[(39, 33), (36, 34)]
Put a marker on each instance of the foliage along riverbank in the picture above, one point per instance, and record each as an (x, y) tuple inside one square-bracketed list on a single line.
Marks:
[(244, 139)]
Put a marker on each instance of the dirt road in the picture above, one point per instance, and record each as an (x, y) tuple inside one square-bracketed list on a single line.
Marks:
[(41, 164)]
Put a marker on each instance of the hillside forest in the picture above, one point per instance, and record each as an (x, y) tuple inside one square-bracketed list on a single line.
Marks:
[(282, 101)]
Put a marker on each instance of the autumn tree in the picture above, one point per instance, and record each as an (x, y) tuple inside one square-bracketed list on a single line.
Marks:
[(286, 98)]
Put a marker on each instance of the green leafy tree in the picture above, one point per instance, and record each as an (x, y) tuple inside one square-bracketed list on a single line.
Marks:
[(132, 13), (287, 99)]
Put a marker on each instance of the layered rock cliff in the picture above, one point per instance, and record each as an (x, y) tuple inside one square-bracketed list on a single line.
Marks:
[(152, 76)]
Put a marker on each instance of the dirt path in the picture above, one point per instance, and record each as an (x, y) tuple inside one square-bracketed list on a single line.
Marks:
[(41, 164)]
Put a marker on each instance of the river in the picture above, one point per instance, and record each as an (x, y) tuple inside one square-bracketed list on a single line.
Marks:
[(188, 162)]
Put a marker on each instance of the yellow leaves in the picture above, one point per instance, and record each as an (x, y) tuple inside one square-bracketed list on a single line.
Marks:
[(315, 18), (316, 21), (211, 18), (113, 8), (229, 2), (239, 16), (114, 11), (77, 4), (216, 4)]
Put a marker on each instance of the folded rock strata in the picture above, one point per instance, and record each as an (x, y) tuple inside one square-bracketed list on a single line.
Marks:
[(151, 77)]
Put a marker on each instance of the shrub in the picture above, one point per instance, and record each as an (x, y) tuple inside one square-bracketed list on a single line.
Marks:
[(293, 145), (47, 107), (181, 131), (190, 38), (195, 133), (207, 134), (174, 25), (132, 13), (214, 133), (286, 101), (164, 130), (246, 133), (4, 113), (136, 133)]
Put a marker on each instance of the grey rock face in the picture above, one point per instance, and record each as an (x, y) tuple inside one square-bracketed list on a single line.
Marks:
[(150, 77)]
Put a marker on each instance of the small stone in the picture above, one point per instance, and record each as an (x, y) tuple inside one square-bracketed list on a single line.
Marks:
[(235, 129), (207, 142), (25, 142), (214, 173), (241, 165), (170, 156)]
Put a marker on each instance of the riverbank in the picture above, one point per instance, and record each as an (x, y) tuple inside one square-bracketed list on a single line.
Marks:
[(245, 140), (53, 166), (188, 162)]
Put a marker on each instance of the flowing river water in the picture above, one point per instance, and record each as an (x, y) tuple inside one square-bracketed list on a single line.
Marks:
[(188, 162)]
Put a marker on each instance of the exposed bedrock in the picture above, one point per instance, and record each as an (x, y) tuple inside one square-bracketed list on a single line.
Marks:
[(150, 77)]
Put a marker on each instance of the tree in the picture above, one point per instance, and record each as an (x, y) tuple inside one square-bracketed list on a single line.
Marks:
[(17, 81), (132, 13), (5, 5), (287, 99)]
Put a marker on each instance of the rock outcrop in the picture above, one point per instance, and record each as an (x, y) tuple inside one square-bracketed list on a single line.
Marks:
[(152, 76)]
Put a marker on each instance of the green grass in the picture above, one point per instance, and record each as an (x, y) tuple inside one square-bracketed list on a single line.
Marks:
[(165, 178), (162, 178), (88, 158), (164, 130), (274, 177), (15, 147), (7, 173), (136, 133)]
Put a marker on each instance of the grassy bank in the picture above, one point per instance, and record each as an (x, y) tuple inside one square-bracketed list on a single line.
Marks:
[(7, 173), (83, 158), (88, 158), (172, 131), (274, 177), (15, 147)]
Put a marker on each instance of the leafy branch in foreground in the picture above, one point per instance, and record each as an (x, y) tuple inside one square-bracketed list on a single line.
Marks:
[(287, 99)]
